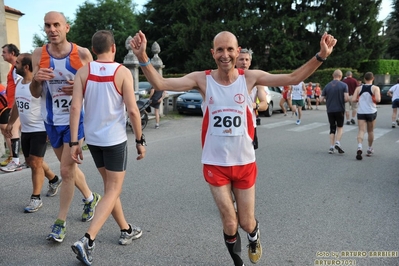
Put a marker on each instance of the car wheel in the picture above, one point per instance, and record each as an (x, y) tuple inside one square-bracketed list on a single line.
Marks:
[(269, 110)]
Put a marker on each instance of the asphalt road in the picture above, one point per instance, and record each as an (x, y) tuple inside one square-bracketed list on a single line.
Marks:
[(313, 207)]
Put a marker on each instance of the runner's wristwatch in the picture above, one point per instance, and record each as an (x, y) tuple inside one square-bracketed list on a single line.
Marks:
[(73, 143), (141, 141)]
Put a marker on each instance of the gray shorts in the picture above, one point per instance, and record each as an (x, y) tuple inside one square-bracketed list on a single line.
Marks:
[(349, 105), (113, 158)]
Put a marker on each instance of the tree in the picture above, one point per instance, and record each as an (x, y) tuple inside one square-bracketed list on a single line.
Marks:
[(392, 32), (115, 15), (283, 34)]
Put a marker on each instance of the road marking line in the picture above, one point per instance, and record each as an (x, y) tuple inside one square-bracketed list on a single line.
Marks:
[(306, 127)]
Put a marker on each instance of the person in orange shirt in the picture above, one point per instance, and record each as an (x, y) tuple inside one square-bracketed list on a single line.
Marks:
[(317, 93), (10, 53), (286, 93), (309, 94)]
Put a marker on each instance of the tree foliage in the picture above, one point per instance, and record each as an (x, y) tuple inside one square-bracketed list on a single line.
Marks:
[(115, 15), (283, 34), (392, 32)]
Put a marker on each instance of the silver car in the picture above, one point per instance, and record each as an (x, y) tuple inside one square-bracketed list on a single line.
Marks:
[(273, 96)]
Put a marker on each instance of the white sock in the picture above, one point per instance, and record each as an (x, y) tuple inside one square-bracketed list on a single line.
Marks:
[(90, 199), (15, 160)]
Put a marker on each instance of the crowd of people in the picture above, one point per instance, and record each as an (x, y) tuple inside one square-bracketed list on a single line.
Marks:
[(38, 105)]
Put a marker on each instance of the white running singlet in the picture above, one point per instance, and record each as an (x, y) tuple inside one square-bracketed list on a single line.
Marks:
[(29, 109), (228, 123), (104, 121)]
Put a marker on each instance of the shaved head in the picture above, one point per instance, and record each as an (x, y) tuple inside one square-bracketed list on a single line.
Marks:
[(56, 14), (225, 35)]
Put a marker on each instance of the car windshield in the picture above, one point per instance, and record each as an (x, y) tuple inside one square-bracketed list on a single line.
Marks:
[(144, 85), (193, 91)]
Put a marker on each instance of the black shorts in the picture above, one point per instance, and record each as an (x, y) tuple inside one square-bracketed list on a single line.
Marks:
[(4, 115), (113, 158), (34, 143), (367, 117), (336, 118)]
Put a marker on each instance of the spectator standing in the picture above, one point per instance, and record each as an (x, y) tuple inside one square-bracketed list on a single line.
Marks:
[(351, 105), (336, 95)]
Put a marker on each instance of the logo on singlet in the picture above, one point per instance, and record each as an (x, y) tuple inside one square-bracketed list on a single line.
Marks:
[(239, 98)]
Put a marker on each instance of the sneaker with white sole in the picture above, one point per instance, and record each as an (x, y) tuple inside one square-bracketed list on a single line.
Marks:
[(370, 151), (90, 207), (393, 124), (11, 167), (58, 230), (126, 239), (331, 151), (83, 251), (53, 187), (34, 205), (338, 148), (298, 122), (255, 249)]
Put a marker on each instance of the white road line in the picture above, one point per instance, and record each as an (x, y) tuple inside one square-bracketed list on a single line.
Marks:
[(347, 128), (306, 127), (278, 124)]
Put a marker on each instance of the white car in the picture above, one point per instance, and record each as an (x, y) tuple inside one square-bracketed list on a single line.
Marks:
[(273, 96)]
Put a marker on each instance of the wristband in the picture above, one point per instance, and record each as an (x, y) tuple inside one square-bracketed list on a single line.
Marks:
[(320, 59), (145, 64), (71, 143), (141, 141)]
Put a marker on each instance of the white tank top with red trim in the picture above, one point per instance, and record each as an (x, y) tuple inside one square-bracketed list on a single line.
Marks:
[(228, 124), (104, 120)]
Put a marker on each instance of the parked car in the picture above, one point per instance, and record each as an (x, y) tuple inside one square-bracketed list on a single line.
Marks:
[(189, 102), (384, 90), (273, 96), (144, 88)]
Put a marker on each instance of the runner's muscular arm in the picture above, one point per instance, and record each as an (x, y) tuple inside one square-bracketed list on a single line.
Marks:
[(261, 94), (327, 43), (74, 113), (13, 117), (376, 93), (36, 84), (124, 81), (139, 44)]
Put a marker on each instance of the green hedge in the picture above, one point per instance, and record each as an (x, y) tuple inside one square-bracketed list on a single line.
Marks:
[(382, 67)]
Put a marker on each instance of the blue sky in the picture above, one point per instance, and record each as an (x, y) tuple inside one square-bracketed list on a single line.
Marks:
[(34, 11)]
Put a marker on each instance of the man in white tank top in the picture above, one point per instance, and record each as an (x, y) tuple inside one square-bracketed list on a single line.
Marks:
[(228, 156), (33, 134), (367, 96), (105, 87)]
